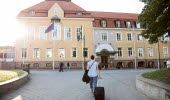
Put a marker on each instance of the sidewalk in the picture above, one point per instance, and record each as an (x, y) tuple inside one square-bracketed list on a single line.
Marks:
[(54, 85)]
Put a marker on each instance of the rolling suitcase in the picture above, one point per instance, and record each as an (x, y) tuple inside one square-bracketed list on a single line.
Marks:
[(99, 92)]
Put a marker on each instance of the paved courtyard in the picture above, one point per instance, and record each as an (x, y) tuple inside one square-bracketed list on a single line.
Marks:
[(54, 85)]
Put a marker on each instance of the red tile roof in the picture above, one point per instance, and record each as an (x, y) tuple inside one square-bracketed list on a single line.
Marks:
[(44, 6), (41, 10), (113, 15)]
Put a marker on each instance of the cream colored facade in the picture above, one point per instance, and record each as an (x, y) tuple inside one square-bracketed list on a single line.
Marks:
[(92, 30), (139, 59), (135, 44), (73, 23)]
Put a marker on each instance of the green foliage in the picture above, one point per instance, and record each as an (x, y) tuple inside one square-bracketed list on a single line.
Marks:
[(155, 19), (162, 75)]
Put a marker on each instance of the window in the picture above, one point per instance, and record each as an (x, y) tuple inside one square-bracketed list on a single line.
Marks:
[(49, 53), (36, 53), (118, 24), (139, 37), (32, 12), (55, 10), (120, 52), (130, 52), (138, 25), (79, 33), (103, 23), (79, 13), (104, 37), (73, 52), (165, 37), (61, 53), (119, 36), (128, 24), (129, 36), (85, 52), (150, 52), (43, 35), (140, 52), (56, 33), (24, 53), (67, 33), (31, 33), (165, 51)]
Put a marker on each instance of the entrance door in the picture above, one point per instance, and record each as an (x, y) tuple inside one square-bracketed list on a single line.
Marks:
[(104, 61)]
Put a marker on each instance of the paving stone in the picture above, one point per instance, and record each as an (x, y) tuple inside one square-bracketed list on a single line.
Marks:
[(54, 85)]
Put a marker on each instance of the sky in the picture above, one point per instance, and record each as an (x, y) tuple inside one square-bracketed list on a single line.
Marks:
[(9, 27)]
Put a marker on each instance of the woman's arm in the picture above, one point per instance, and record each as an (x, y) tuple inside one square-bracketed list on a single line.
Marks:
[(87, 67)]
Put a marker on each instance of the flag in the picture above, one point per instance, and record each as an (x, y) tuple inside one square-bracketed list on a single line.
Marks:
[(50, 28)]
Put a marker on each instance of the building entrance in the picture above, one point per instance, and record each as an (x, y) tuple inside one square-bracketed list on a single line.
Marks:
[(104, 61)]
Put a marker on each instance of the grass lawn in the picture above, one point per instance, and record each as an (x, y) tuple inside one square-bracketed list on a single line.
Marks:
[(162, 75), (7, 75)]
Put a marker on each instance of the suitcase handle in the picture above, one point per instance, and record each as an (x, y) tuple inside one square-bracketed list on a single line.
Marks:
[(99, 81)]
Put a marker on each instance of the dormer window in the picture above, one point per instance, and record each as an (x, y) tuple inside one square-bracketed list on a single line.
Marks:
[(118, 24), (128, 24), (32, 12), (165, 37), (79, 13), (55, 10), (137, 24), (103, 23)]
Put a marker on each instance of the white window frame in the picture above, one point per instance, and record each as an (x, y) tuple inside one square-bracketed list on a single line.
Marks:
[(87, 52), (165, 37), (118, 24), (166, 54), (102, 37), (55, 10), (128, 52), (150, 51), (66, 33), (120, 36), (34, 53), (130, 37), (76, 53), (139, 37), (44, 35), (59, 53), (81, 38), (26, 53), (30, 33), (51, 53), (103, 23), (140, 52), (121, 52), (128, 24), (138, 24)]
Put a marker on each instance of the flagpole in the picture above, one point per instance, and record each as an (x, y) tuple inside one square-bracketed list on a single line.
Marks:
[(24, 48), (134, 47), (83, 53), (82, 48), (53, 45)]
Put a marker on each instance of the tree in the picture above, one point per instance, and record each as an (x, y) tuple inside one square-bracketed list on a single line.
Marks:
[(155, 19)]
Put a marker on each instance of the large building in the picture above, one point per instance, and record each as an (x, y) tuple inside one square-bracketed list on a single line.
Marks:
[(114, 38)]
